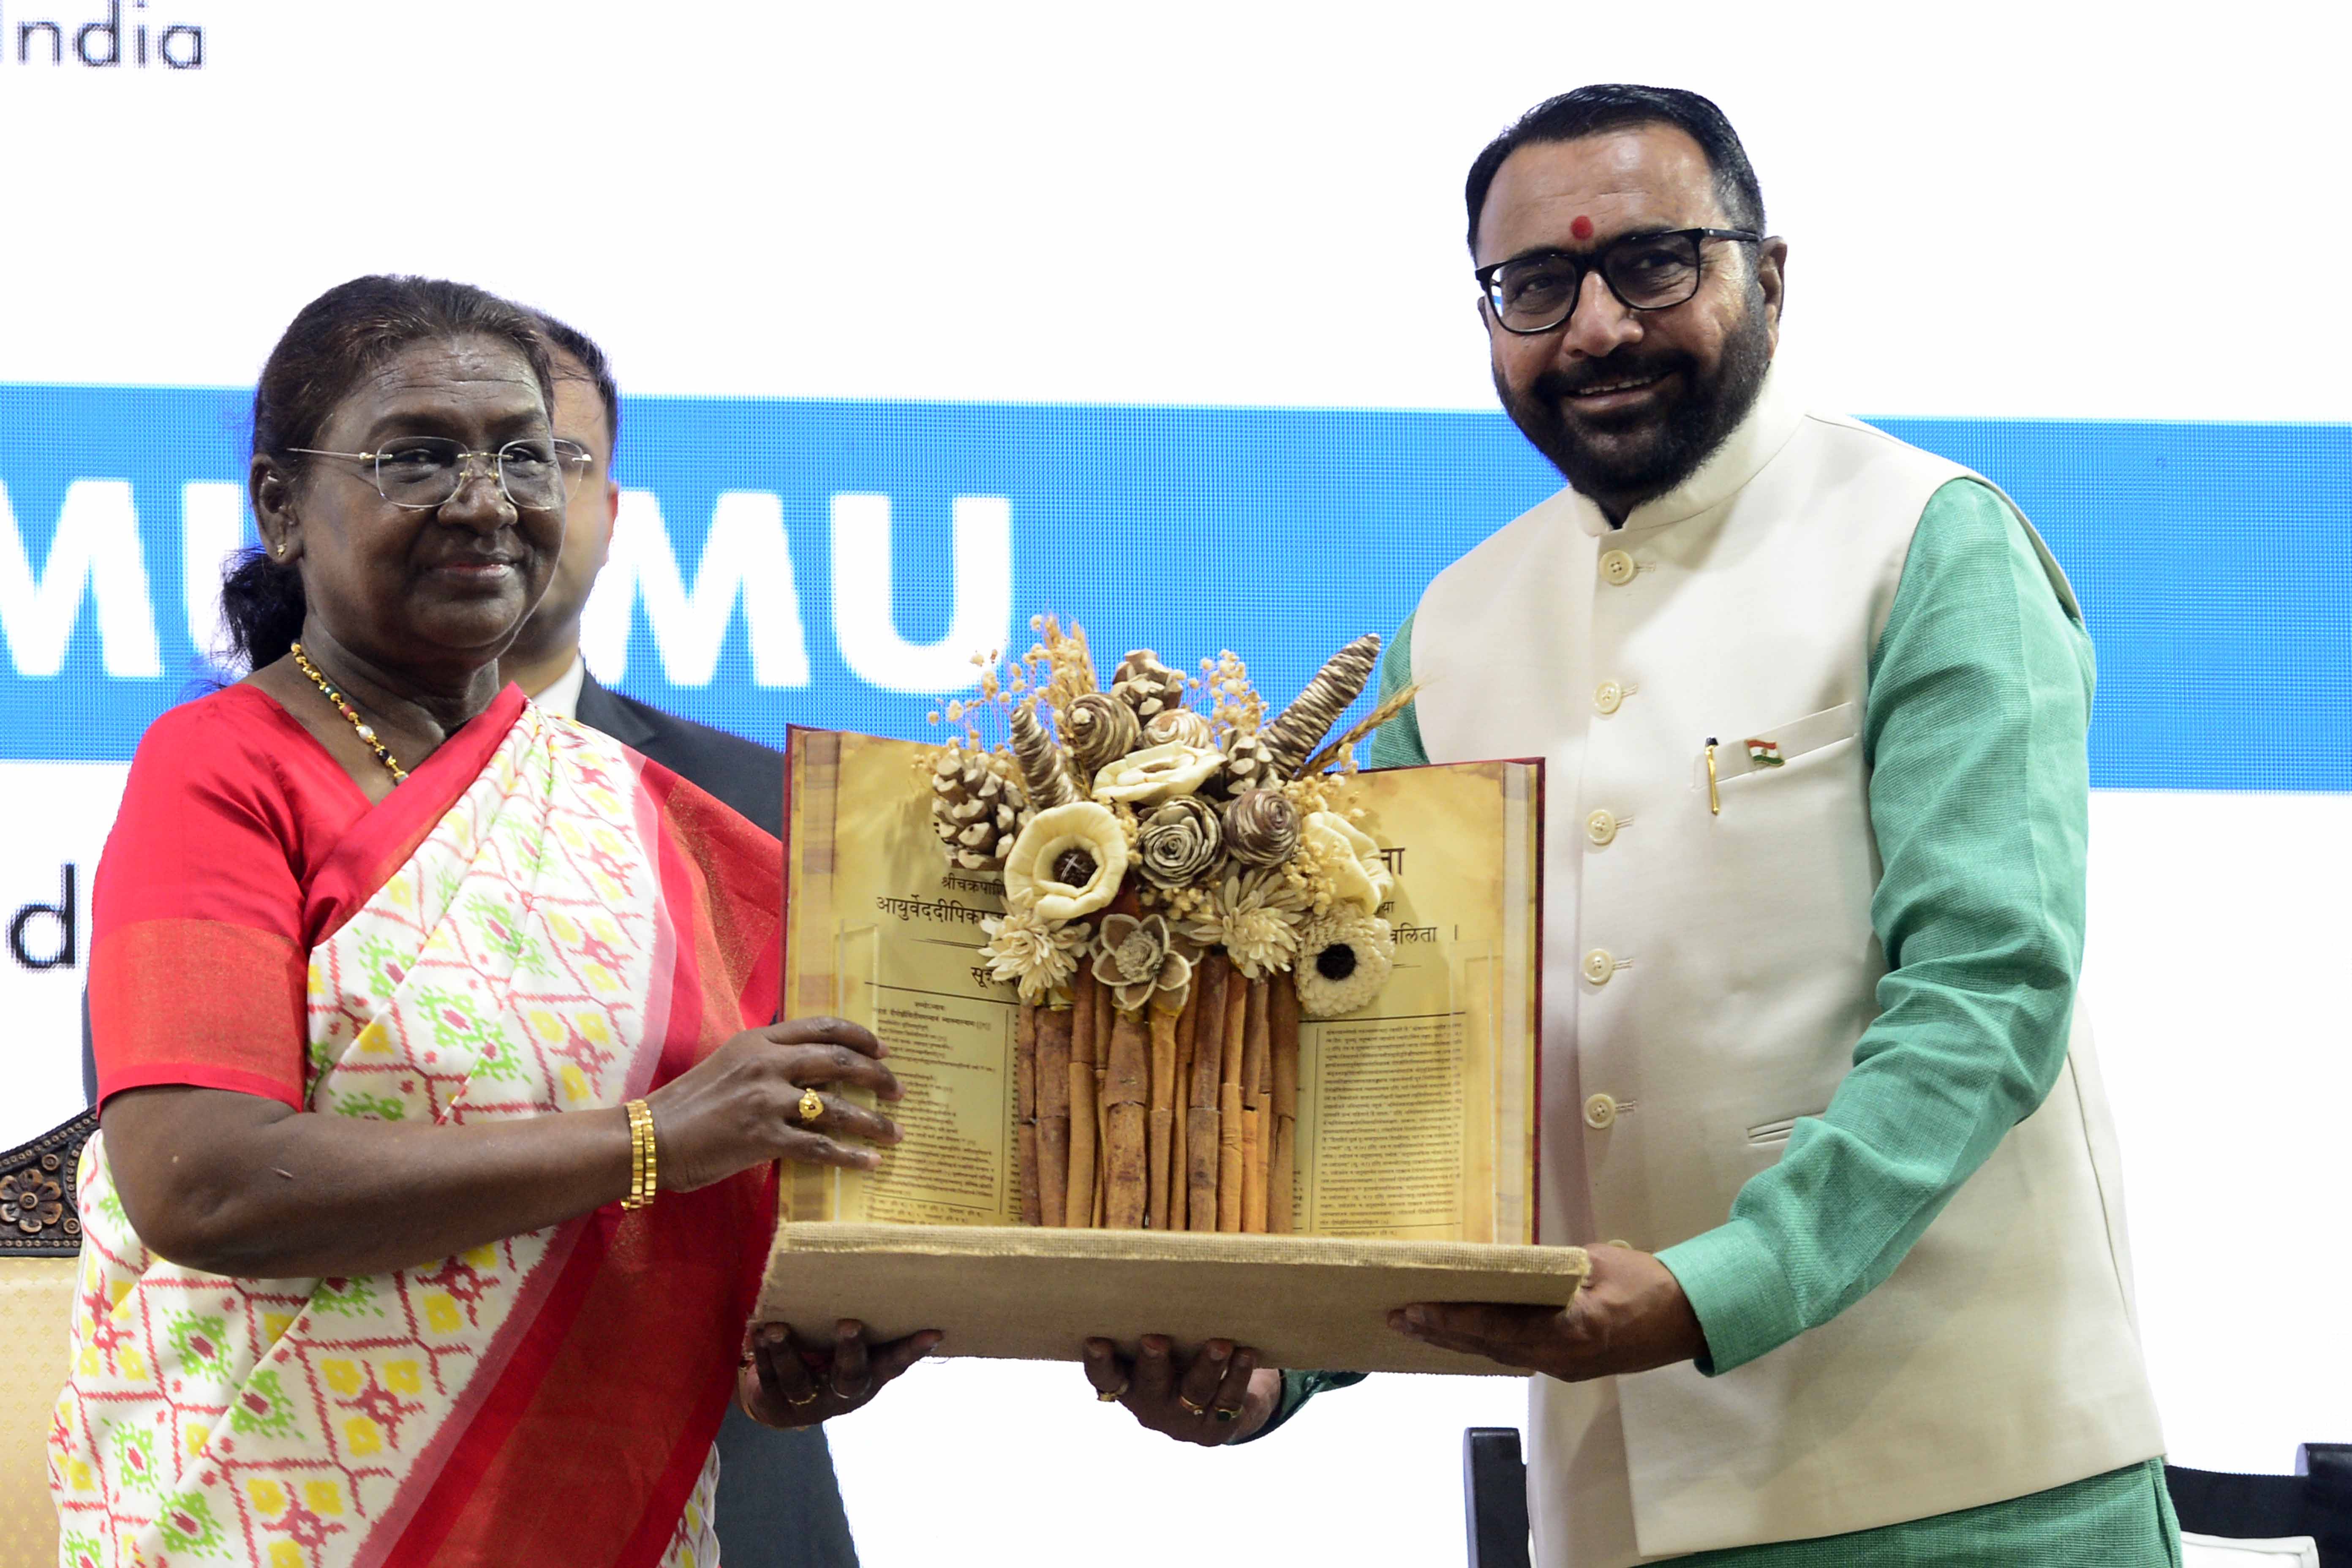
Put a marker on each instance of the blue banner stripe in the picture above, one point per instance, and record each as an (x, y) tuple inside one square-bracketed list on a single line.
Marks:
[(2213, 560)]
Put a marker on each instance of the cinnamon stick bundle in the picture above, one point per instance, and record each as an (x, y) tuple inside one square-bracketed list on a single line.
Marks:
[(1086, 1047), (1256, 1139), (1024, 1087), (1159, 1119), (1053, 1113), (1127, 1088), (1188, 1029), (1281, 1020), (1229, 1107), (1106, 1011), (1106, 1008), (1200, 1116)]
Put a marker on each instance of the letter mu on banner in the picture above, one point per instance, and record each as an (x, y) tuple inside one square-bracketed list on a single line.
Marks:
[(747, 557)]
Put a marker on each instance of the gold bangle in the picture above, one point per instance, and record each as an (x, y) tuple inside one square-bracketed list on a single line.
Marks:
[(644, 1173)]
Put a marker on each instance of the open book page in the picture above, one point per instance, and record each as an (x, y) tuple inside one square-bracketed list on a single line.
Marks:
[(1415, 1112), (881, 931)]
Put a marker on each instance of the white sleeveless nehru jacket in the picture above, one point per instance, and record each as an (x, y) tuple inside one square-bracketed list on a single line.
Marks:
[(1706, 978)]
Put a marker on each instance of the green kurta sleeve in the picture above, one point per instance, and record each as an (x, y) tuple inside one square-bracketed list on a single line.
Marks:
[(1397, 743), (1974, 729)]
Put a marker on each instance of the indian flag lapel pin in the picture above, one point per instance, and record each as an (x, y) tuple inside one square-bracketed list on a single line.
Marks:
[(1765, 753)]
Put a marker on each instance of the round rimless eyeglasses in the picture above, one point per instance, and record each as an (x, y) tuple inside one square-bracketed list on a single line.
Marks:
[(420, 472), (1538, 292)]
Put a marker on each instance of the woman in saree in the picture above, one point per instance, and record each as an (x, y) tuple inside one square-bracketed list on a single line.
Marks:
[(439, 1099)]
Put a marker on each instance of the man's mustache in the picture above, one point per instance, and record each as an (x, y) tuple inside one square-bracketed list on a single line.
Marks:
[(1553, 385)]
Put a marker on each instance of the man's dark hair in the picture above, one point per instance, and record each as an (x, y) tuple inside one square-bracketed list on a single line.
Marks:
[(331, 344), (1617, 105), (570, 341)]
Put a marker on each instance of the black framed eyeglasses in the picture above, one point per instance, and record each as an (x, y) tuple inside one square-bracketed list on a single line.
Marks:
[(1538, 292), (420, 472)]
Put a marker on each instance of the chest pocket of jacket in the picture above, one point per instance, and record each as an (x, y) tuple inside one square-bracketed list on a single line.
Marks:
[(1767, 751)]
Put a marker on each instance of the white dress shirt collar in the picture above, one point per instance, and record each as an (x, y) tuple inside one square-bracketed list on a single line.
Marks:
[(562, 696)]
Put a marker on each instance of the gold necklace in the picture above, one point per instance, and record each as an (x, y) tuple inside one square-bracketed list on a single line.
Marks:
[(343, 705)]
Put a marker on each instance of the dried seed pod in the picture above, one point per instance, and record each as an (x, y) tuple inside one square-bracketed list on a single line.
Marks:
[(976, 810), (1290, 738), (1067, 862), (1247, 766), (1148, 687), (1179, 724), (1262, 827), (1099, 729), (1179, 842), (1043, 770)]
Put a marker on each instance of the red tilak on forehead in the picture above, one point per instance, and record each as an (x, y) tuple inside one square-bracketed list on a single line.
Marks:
[(1582, 227)]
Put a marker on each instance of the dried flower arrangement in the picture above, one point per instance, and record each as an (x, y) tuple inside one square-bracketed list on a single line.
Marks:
[(1181, 885)]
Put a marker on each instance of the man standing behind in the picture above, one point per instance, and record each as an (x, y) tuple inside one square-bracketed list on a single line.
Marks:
[(779, 1506), (545, 659), (1814, 706)]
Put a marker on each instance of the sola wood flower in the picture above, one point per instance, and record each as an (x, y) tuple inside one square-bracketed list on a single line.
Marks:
[(1157, 773), (1179, 724), (1262, 827), (1067, 861), (1179, 842), (1350, 859), (975, 810), (1344, 960), (1138, 958), (1099, 729), (1247, 766), (1290, 738), (1043, 770), (1146, 685), (1034, 953), (1254, 918)]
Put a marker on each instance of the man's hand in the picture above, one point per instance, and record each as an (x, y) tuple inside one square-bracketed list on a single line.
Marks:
[(1630, 1316), (1219, 1396)]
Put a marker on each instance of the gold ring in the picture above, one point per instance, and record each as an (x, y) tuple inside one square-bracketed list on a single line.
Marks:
[(1186, 1401), (1222, 1414), (1113, 1395), (812, 1106), (813, 1395)]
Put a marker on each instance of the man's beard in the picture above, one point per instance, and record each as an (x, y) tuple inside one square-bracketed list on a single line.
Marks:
[(1623, 464)]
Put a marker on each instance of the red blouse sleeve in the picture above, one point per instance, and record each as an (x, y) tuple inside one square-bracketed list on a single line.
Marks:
[(199, 972)]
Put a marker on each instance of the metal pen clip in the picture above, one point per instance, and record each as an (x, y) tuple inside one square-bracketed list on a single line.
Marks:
[(1714, 797)]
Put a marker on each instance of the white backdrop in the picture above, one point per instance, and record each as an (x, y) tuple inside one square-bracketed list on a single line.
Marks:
[(1993, 210)]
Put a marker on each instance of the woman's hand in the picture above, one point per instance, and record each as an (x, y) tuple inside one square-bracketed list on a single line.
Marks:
[(742, 1105), (1216, 1397), (785, 1384)]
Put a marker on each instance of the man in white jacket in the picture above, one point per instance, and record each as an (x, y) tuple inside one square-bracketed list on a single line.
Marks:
[(1817, 1090)]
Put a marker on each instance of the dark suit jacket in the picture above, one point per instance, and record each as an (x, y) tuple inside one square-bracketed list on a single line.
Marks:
[(779, 1506), (745, 775)]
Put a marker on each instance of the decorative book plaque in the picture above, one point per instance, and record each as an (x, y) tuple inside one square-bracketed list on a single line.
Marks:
[(1415, 1137)]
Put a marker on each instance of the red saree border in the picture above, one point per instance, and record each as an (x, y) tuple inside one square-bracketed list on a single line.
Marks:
[(412, 1529), (455, 1519), (691, 1018)]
